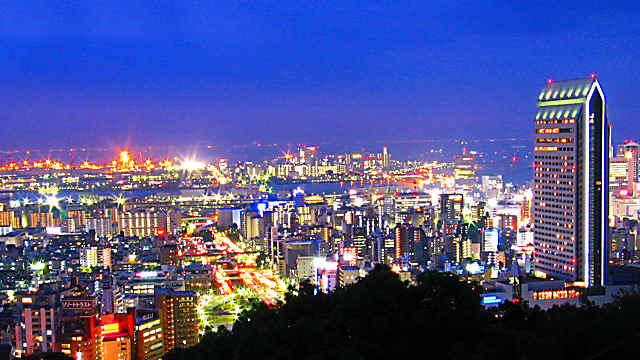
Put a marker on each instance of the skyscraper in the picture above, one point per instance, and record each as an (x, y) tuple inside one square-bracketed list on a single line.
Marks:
[(464, 171), (178, 317), (385, 156), (632, 157), (570, 212), (451, 206)]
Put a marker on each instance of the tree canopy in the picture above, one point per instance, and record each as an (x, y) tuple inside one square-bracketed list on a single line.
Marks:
[(439, 316)]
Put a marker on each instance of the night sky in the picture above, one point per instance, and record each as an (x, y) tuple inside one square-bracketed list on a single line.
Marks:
[(109, 73)]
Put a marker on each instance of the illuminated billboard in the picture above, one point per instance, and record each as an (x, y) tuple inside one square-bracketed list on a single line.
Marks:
[(87, 305), (491, 300)]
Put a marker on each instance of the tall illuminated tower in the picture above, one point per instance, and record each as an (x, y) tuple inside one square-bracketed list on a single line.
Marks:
[(631, 153), (571, 164), (385, 156)]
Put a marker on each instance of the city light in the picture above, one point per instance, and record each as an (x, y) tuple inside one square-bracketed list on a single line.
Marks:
[(38, 266), (52, 202), (120, 200), (124, 157), (491, 300), (146, 274), (191, 165)]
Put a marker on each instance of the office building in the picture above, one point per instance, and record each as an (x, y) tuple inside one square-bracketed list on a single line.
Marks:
[(571, 153), (101, 225), (36, 328), (386, 158), (94, 256), (178, 317), (115, 339), (142, 222), (169, 254), (347, 275), (78, 338), (89, 257), (451, 206), (630, 150), (148, 338), (632, 156), (464, 171)]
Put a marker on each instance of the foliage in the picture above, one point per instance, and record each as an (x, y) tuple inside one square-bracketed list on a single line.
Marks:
[(382, 317)]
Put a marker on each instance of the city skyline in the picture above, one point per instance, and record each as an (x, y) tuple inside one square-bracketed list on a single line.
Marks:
[(114, 74), (318, 179)]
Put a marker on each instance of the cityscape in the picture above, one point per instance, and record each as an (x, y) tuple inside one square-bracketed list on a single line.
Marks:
[(520, 241)]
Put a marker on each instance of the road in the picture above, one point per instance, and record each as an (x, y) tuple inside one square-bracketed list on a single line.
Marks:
[(261, 282)]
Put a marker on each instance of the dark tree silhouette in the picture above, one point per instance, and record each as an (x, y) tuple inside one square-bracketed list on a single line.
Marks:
[(439, 316)]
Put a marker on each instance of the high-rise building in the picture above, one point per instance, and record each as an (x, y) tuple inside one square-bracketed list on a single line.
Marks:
[(632, 157), (630, 146), (385, 157), (571, 155), (347, 275), (35, 330), (104, 256), (101, 225), (107, 292), (115, 339), (451, 206), (464, 171), (78, 337), (618, 170), (178, 317), (360, 243), (169, 254), (94, 256), (401, 238), (9, 218), (249, 224), (148, 338), (142, 222), (89, 256), (508, 221)]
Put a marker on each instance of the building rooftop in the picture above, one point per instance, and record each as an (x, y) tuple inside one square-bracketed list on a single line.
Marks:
[(558, 112), (566, 89)]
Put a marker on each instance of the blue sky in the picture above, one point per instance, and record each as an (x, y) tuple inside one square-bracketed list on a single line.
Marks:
[(106, 73)]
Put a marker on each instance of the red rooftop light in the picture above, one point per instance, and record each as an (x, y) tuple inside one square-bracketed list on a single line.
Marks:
[(593, 76), (550, 81)]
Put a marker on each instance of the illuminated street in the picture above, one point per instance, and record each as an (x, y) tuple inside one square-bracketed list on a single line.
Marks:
[(236, 286)]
